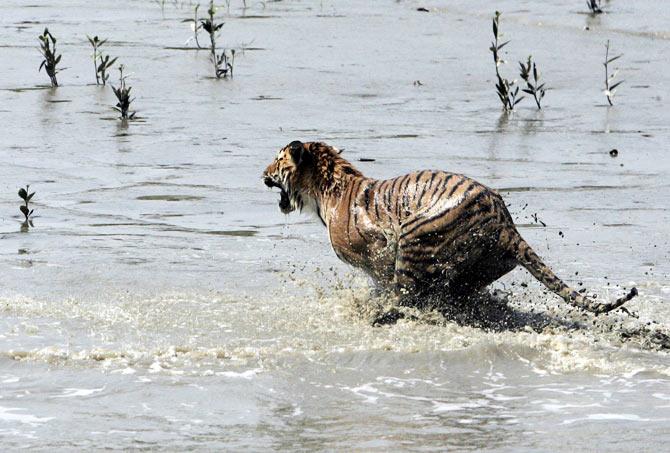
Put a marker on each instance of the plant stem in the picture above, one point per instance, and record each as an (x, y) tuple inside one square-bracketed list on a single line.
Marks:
[(607, 78), (95, 65), (212, 39), (196, 26)]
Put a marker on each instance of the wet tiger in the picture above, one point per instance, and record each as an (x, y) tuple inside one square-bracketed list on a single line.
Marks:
[(427, 232)]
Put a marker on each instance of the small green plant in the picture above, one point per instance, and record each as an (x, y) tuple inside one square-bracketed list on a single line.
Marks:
[(51, 59), (25, 207), (594, 6), (224, 61), (610, 88), (533, 87), (123, 96), (506, 89), (160, 3), (101, 62)]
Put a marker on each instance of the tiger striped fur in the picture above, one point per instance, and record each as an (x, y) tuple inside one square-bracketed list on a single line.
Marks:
[(427, 232)]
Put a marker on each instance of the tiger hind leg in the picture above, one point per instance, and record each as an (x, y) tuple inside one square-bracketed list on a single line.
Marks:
[(441, 283)]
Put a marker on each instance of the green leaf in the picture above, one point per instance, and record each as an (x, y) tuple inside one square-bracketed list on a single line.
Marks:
[(23, 194), (616, 85), (614, 58)]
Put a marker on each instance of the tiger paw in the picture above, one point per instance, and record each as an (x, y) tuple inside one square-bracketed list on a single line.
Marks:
[(389, 317)]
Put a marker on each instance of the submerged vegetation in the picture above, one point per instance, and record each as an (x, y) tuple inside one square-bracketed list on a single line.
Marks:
[(26, 196), (610, 88), (123, 97), (223, 62), (507, 90), (51, 57), (101, 62), (533, 87)]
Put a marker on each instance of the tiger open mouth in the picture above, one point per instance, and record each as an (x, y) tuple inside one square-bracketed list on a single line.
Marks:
[(284, 201)]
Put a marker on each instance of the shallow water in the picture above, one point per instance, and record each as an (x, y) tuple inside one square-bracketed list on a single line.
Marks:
[(161, 299)]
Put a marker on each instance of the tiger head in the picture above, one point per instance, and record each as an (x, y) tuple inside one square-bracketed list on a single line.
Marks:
[(287, 172), (305, 173)]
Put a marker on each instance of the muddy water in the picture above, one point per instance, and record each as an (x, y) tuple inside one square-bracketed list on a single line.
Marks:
[(161, 299)]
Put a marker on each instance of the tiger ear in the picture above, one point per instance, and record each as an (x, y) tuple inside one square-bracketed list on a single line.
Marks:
[(299, 153)]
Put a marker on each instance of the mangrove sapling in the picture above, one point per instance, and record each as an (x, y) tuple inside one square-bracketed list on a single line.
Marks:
[(594, 6), (123, 96), (101, 62), (610, 88), (51, 58), (223, 64), (507, 90), (25, 207), (533, 87)]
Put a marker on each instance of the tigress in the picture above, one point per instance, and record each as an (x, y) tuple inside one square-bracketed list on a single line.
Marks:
[(427, 232)]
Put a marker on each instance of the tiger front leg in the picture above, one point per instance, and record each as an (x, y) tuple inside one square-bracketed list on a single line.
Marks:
[(423, 272), (410, 283)]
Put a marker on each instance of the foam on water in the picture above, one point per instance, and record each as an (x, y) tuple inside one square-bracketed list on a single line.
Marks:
[(17, 415), (240, 336)]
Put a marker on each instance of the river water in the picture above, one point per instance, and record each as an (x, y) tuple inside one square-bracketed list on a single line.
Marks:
[(161, 300)]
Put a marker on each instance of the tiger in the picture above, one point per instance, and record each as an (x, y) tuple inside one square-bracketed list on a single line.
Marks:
[(426, 232)]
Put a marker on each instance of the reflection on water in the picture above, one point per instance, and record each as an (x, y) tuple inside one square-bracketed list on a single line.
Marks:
[(160, 299)]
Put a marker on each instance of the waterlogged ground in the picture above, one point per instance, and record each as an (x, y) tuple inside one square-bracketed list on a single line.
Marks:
[(162, 301)]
